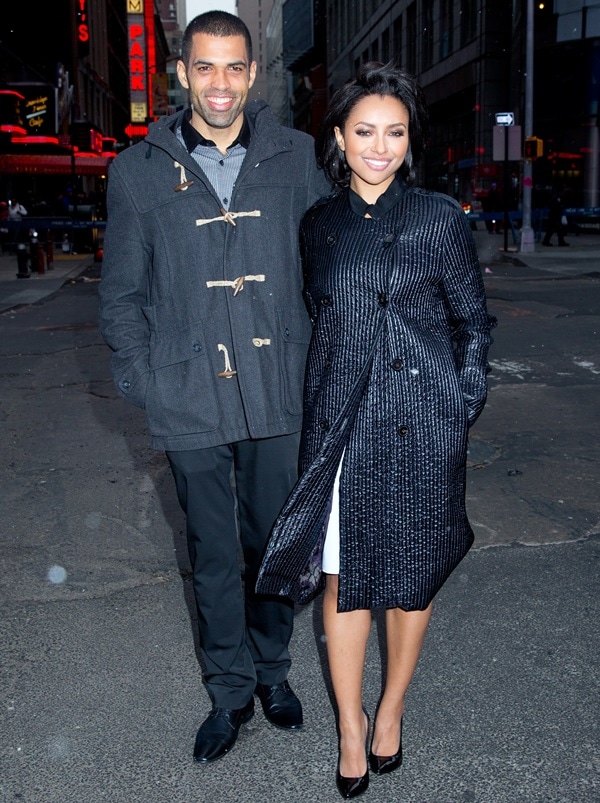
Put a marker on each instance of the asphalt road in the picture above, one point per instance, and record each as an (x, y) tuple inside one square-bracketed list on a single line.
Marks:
[(101, 691)]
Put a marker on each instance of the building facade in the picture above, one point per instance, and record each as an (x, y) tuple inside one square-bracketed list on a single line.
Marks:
[(469, 56), (256, 15), (70, 99)]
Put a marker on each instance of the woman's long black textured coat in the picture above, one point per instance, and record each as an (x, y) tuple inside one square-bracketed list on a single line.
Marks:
[(396, 374)]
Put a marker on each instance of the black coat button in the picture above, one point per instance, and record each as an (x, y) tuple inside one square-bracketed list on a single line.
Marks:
[(196, 346), (397, 364), (382, 299), (389, 238), (324, 424), (331, 239), (326, 300), (402, 430), (125, 384)]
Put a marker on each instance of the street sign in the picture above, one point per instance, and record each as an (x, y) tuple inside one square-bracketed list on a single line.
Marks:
[(505, 118), (506, 143)]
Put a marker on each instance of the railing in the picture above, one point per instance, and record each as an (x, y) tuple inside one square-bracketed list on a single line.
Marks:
[(580, 220), (18, 231)]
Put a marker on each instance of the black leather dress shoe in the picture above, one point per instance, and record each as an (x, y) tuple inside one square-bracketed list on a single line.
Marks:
[(281, 706), (219, 731)]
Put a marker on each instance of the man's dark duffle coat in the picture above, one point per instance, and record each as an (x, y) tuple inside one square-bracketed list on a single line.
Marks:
[(206, 318), (396, 374)]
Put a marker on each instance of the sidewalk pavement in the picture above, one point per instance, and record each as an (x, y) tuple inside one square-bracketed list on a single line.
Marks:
[(18, 292), (582, 256)]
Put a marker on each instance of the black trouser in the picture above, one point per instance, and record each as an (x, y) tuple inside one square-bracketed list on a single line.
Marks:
[(244, 638), (560, 230)]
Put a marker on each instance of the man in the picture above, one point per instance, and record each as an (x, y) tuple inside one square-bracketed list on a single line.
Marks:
[(556, 222), (16, 211), (201, 303)]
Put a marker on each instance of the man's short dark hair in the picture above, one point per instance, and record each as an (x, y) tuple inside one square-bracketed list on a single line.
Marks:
[(215, 23)]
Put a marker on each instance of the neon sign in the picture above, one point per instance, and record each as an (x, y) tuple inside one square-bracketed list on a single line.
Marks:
[(35, 110), (82, 28), (138, 87), (83, 32)]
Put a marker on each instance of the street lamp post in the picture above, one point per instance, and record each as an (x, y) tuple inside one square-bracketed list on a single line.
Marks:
[(527, 244)]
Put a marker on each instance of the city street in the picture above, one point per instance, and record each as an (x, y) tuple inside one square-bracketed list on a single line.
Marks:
[(101, 690)]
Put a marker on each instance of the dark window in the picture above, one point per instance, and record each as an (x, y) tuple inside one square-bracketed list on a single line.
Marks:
[(468, 21), (427, 39), (446, 43), (411, 38), (397, 40), (385, 45)]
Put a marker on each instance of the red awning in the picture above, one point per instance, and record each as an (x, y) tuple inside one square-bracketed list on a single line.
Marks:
[(47, 165)]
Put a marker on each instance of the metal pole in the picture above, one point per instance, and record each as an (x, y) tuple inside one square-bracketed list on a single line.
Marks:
[(527, 238), (506, 182)]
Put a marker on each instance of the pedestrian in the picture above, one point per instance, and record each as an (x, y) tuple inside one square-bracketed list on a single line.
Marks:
[(16, 213), (396, 374), (4, 231), (557, 221), (16, 210), (66, 245), (201, 303)]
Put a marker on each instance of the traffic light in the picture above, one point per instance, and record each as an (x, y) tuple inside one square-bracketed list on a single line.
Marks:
[(534, 148)]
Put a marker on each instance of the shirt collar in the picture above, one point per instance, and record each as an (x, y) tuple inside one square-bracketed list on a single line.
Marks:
[(192, 138), (384, 203)]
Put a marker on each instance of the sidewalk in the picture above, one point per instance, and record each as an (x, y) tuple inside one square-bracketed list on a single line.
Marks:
[(582, 256), (16, 292)]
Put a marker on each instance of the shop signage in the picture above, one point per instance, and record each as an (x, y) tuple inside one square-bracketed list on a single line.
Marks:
[(37, 109), (83, 31), (82, 28)]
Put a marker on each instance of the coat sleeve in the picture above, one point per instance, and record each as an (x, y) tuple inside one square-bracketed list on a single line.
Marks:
[(469, 320), (124, 291)]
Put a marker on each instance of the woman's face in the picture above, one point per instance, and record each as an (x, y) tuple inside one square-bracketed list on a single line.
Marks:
[(375, 141)]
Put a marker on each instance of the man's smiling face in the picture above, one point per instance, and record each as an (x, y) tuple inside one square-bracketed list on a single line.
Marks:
[(218, 78)]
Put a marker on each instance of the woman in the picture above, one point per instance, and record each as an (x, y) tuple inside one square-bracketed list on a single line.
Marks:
[(396, 374)]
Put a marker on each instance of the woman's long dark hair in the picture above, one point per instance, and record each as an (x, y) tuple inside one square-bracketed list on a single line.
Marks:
[(373, 78)]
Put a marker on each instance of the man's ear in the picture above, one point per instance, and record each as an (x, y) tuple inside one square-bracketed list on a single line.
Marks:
[(252, 77), (182, 74)]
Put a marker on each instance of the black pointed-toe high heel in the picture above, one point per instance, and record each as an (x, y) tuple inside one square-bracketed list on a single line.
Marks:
[(353, 787), (382, 764)]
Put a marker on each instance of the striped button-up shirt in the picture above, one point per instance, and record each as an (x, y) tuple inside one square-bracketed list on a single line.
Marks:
[(221, 169)]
